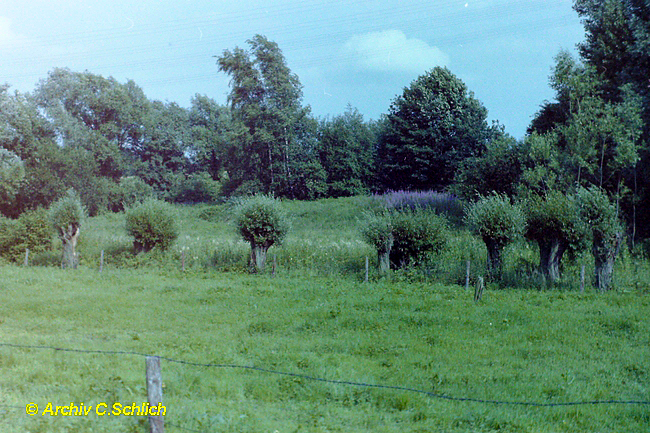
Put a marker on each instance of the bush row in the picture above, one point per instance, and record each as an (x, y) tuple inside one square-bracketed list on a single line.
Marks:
[(406, 230)]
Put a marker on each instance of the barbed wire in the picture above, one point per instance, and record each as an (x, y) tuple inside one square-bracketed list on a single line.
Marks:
[(334, 381)]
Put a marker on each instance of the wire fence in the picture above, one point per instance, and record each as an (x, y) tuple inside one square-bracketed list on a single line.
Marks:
[(431, 394)]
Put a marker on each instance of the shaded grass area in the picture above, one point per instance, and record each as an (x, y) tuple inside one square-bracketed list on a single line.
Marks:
[(516, 345)]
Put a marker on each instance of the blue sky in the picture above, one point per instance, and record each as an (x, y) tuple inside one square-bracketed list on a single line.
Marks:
[(357, 52)]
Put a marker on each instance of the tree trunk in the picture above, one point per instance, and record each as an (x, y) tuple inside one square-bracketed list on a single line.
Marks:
[(604, 258), (384, 261), (550, 255), (69, 238), (271, 167), (287, 166), (494, 250), (258, 257)]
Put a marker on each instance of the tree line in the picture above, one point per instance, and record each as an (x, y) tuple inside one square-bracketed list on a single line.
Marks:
[(115, 146)]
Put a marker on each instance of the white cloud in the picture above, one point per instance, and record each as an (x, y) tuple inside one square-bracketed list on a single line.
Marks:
[(392, 51)]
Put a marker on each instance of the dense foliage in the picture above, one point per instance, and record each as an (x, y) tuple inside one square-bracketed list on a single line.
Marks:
[(600, 215), (347, 153), (498, 169), (275, 146), (262, 223), (553, 222), (31, 231), (430, 129), (377, 230), (67, 212), (152, 225), (194, 188), (498, 222), (417, 233), (404, 237), (132, 190), (66, 216), (12, 172)]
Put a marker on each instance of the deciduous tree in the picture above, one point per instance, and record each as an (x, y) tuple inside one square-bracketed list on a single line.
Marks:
[(552, 221), (12, 172), (28, 134), (210, 136), (498, 222), (347, 146), (431, 128), (262, 223), (67, 216), (600, 215), (152, 224), (498, 169), (274, 140)]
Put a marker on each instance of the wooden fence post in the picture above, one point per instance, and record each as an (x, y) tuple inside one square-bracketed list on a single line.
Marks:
[(467, 276), (26, 257), (478, 291), (154, 393), (582, 279), (183, 261), (101, 261), (366, 269)]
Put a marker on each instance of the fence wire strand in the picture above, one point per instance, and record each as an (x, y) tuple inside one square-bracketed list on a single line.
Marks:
[(332, 381)]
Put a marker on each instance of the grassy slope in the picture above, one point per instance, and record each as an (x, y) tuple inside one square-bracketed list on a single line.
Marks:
[(516, 345)]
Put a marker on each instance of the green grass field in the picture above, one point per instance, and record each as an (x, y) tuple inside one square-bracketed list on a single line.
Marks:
[(317, 318)]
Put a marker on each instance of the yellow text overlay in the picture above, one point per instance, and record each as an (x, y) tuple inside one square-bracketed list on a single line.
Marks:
[(100, 409)]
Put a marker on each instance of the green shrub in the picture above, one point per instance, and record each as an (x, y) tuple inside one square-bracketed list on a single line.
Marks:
[(67, 216), (66, 211), (37, 235), (262, 223), (152, 224), (600, 216), (417, 234), (213, 213), (30, 231), (8, 238), (97, 194), (553, 222), (498, 222), (404, 238), (377, 230)]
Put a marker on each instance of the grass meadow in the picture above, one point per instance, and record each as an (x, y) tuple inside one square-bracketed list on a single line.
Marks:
[(317, 317)]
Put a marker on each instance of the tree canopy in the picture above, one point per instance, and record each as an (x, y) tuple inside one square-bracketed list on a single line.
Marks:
[(431, 128), (274, 151), (12, 172), (617, 47), (347, 153)]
